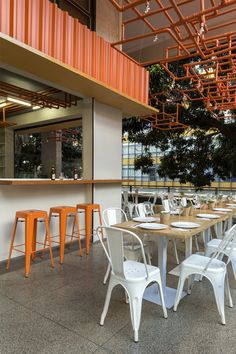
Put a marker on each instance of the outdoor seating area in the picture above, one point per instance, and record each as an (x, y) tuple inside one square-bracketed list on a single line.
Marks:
[(118, 176), (60, 311)]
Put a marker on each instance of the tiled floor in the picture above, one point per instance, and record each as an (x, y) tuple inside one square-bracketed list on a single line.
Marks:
[(58, 310)]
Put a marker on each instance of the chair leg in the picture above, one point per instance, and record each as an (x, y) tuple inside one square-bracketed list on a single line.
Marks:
[(227, 289), (191, 282), (100, 220), (179, 291), (88, 221), (45, 239), (162, 298), (12, 243), (175, 251), (28, 244), (149, 258), (48, 240), (107, 274), (34, 236), (107, 301), (135, 304), (196, 243), (73, 232), (126, 297), (76, 223), (218, 287), (233, 262), (62, 236)]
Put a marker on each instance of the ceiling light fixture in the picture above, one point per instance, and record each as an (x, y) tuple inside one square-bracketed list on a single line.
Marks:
[(16, 100), (202, 29), (36, 107), (155, 39), (3, 104), (147, 9)]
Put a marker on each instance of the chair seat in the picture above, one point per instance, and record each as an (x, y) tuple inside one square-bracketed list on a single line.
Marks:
[(134, 247), (199, 262), (215, 243), (136, 271)]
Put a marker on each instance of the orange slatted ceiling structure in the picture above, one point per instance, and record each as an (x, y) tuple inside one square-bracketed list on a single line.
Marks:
[(43, 26)]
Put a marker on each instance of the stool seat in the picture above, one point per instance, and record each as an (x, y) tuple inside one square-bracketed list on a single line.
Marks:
[(64, 208), (64, 211), (32, 213), (89, 208), (30, 218)]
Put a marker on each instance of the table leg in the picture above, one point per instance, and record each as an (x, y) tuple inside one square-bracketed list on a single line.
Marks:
[(207, 236), (188, 247), (151, 293), (230, 222), (219, 230)]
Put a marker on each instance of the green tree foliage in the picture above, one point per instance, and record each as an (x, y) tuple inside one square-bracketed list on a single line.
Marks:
[(207, 148)]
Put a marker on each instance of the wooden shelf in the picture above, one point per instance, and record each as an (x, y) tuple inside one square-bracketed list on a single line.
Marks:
[(32, 181)]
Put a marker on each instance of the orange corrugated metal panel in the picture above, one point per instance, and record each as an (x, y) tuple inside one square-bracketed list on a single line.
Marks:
[(96, 58), (4, 16), (43, 26), (47, 28), (87, 51)]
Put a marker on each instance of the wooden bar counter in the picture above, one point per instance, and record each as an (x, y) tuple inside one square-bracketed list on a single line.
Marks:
[(30, 181), (23, 194)]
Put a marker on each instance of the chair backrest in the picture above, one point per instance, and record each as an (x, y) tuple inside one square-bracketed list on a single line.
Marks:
[(125, 197), (166, 205), (226, 246), (144, 209), (115, 248), (183, 201), (173, 204), (153, 198), (112, 216), (140, 210)]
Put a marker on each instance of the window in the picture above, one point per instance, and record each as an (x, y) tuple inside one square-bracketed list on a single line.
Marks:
[(38, 149)]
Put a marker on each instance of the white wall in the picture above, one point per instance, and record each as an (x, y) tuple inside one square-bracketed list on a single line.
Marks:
[(102, 131), (13, 198), (107, 142)]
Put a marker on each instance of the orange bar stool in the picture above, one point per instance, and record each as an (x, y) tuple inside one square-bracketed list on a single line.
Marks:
[(30, 217), (88, 209), (64, 212)]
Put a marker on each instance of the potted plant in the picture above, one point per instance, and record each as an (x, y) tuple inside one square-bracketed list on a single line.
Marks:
[(187, 208), (211, 204), (203, 204), (220, 200)]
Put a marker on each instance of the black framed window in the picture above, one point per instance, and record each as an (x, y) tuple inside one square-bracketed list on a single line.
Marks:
[(38, 149), (83, 10)]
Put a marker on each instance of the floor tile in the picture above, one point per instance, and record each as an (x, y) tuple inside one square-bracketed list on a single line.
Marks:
[(24, 331)]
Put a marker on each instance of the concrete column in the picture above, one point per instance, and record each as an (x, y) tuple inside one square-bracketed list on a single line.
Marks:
[(108, 21), (6, 153), (102, 152)]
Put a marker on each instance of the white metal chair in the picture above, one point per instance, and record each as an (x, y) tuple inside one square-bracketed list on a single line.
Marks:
[(132, 251), (183, 201), (153, 199), (133, 276), (127, 206), (213, 268), (231, 253), (144, 209), (169, 208)]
